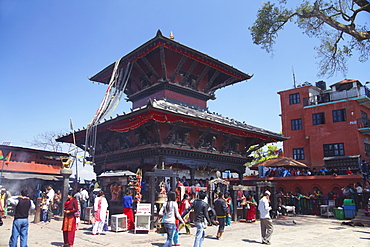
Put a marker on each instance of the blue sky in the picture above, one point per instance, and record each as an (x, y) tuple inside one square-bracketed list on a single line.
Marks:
[(50, 48)]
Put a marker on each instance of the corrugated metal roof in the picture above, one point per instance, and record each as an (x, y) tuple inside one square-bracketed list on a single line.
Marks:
[(117, 174)]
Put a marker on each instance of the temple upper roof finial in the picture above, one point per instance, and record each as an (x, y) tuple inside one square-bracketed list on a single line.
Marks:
[(171, 36), (159, 33)]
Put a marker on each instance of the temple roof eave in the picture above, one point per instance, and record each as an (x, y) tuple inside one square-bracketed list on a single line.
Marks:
[(159, 40), (186, 113)]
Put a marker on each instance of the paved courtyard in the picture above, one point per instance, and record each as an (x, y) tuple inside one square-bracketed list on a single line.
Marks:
[(306, 231)]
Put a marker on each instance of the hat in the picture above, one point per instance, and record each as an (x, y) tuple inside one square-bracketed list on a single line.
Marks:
[(267, 192)]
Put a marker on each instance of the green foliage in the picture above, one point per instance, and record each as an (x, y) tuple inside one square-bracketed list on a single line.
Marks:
[(335, 23), (261, 155), (270, 19)]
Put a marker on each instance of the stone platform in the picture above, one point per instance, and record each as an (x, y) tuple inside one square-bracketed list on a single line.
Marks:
[(302, 231)]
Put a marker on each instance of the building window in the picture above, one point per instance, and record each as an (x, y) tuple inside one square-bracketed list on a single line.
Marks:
[(297, 124), (367, 149), (335, 149), (318, 118), (298, 153), (339, 115), (294, 99), (363, 114)]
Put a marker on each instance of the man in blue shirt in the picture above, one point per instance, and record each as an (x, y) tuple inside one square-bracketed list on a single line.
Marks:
[(184, 182), (127, 209)]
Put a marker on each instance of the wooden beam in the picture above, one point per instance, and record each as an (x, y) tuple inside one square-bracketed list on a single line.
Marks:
[(172, 132), (163, 63), (225, 83), (188, 73), (200, 78), (147, 63), (225, 143), (142, 73), (123, 136), (135, 82), (210, 82), (152, 139), (201, 138), (128, 91), (158, 132), (177, 70), (250, 142)]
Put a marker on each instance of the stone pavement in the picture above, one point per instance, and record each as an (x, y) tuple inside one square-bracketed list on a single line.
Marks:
[(307, 231)]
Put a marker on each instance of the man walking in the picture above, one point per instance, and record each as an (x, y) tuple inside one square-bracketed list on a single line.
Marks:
[(221, 213), (22, 206), (265, 219), (50, 194), (200, 211)]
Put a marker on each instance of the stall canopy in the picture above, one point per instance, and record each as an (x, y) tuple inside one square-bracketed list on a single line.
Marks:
[(22, 176), (279, 162), (117, 174)]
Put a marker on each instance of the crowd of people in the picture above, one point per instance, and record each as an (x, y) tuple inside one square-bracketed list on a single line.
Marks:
[(310, 202), (175, 211), (176, 215), (288, 172)]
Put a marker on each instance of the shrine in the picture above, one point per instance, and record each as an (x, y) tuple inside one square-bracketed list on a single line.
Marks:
[(170, 125)]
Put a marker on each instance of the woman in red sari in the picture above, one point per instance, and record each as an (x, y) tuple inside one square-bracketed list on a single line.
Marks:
[(251, 205), (69, 221), (127, 210)]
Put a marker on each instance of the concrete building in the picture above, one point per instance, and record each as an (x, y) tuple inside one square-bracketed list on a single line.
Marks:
[(30, 168), (327, 127)]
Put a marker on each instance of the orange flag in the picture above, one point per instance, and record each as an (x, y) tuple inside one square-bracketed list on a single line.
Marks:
[(7, 158)]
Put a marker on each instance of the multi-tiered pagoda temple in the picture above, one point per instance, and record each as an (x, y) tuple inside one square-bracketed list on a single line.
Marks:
[(170, 125)]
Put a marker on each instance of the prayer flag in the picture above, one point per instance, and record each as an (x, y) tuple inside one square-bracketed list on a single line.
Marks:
[(1, 155), (7, 158)]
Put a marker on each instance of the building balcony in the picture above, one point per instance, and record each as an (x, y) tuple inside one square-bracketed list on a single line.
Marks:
[(362, 93), (363, 125)]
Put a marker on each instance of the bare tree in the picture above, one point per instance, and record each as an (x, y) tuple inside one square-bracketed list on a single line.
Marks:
[(47, 141)]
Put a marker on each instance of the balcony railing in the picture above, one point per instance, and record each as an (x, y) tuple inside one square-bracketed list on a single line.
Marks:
[(336, 95), (363, 123)]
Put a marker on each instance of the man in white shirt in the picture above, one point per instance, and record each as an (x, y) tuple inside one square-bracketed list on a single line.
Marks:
[(84, 199), (265, 219), (50, 202)]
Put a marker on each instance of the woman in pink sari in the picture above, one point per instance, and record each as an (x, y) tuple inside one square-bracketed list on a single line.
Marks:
[(100, 209)]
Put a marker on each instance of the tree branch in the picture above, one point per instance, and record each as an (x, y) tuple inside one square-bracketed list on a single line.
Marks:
[(364, 5), (348, 29)]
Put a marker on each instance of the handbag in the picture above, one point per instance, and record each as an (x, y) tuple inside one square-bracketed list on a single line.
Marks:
[(160, 228), (160, 225), (105, 227)]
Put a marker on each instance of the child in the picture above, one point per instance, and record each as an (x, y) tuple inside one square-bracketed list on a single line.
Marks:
[(44, 208)]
